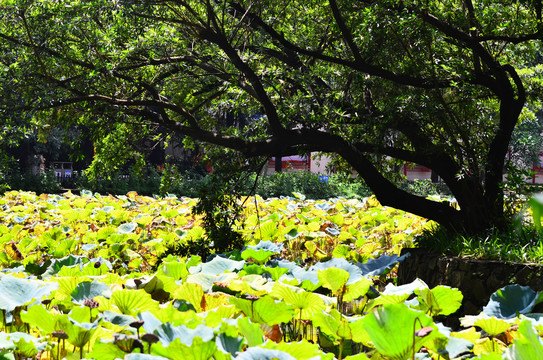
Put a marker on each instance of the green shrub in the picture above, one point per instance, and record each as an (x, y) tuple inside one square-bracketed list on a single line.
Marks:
[(38, 183), (145, 182), (189, 183), (424, 187)]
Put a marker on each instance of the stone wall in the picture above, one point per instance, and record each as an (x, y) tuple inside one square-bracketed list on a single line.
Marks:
[(477, 279)]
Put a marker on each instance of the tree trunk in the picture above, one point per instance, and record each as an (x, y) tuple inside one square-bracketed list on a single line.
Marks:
[(278, 164)]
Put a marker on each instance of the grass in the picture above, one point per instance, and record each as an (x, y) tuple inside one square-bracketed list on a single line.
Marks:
[(523, 244)]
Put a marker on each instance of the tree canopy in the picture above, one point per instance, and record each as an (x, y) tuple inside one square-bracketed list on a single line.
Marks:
[(437, 83)]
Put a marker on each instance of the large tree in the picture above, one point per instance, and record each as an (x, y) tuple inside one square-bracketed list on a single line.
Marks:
[(437, 83)]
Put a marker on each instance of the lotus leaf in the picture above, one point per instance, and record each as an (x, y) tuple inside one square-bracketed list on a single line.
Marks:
[(528, 345), (138, 356), (229, 344), (306, 302), (250, 331), (493, 326), (207, 280), (217, 266), (39, 317), (257, 353), (359, 356), (275, 272), (89, 290), (106, 351), (391, 289), (391, 329), (117, 319), (268, 230), (456, 347), (176, 350), (192, 293), (512, 300), (57, 264), (441, 300), (261, 252), (264, 310), (375, 267), (301, 350), (18, 292), (15, 340), (133, 301), (334, 279), (127, 228), (355, 274), (167, 333)]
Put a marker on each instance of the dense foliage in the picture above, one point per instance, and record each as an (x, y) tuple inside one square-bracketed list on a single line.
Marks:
[(77, 282), (381, 83)]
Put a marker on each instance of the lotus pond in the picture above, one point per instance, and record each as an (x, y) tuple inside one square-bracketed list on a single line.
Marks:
[(87, 277)]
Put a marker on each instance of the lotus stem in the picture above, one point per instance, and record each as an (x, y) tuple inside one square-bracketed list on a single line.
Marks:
[(340, 348)]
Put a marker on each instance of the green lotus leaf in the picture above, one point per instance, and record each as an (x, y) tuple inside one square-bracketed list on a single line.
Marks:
[(359, 356), (337, 219), (333, 279), (252, 269), (491, 356), (133, 301), (341, 251), (207, 280), (38, 316), (153, 319), (250, 331), (117, 319), (386, 299), (492, 326), (64, 248), (196, 233), (292, 234), (406, 289), (27, 349), (355, 274), (138, 356), (391, 329), (301, 350), (264, 310), (193, 293), (257, 353), (18, 292), (106, 351), (357, 289), (79, 334), (127, 228), (229, 344), (89, 290), (57, 264), (268, 230), (261, 252), (85, 193), (375, 267), (67, 285), (176, 350), (276, 272), (441, 300), (307, 303), (218, 266), (334, 324), (456, 347), (167, 333), (174, 269), (511, 300), (22, 343), (258, 256), (528, 345)]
